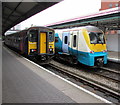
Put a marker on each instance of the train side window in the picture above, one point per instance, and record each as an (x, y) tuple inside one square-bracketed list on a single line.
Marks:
[(66, 40), (74, 40)]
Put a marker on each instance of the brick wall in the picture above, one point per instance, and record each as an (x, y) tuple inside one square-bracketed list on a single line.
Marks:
[(107, 4)]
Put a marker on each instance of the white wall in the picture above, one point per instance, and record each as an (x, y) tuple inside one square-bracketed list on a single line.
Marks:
[(113, 42)]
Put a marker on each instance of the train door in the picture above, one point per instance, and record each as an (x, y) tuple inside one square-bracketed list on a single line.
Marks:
[(74, 43), (43, 42), (65, 40)]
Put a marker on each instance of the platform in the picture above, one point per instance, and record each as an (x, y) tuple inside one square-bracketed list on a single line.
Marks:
[(114, 56), (25, 82)]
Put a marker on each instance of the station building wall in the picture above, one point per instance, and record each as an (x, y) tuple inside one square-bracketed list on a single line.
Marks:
[(113, 41), (107, 4), (113, 36)]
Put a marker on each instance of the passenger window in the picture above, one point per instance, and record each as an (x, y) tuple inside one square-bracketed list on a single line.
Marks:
[(74, 40), (66, 40)]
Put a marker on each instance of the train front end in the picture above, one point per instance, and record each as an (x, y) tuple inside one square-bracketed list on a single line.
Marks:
[(41, 43), (96, 42)]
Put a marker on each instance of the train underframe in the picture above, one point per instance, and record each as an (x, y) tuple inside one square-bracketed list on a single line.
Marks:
[(67, 58), (98, 61), (42, 58)]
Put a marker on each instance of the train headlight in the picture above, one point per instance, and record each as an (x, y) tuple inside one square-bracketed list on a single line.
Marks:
[(51, 50), (104, 50), (92, 52), (33, 50)]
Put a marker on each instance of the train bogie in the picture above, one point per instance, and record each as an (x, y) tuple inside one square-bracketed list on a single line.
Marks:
[(84, 44)]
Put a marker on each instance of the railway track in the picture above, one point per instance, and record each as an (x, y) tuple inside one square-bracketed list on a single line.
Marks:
[(97, 86), (103, 72), (111, 70), (113, 65), (113, 75)]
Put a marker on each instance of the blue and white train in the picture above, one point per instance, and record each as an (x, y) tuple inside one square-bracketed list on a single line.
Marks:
[(86, 45)]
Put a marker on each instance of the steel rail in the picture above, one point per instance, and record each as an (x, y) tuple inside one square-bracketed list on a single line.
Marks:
[(97, 86)]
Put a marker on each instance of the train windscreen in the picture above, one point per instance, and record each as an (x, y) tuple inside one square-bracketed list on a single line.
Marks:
[(96, 38), (33, 35), (51, 37)]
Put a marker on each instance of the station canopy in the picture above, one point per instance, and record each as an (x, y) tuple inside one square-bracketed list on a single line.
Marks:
[(106, 19), (16, 12)]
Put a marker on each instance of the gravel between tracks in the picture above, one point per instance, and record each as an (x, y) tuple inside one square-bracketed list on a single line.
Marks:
[(89, 75)]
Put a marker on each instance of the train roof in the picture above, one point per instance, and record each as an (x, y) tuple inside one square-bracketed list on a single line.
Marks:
[(89, 28), (42, 27), (34, 27)]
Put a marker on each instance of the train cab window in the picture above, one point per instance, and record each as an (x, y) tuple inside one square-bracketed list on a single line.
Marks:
[(33, 35), (96, 38), (51, 37), (101, 38), (93, 38), (74, 40), (65, 39)]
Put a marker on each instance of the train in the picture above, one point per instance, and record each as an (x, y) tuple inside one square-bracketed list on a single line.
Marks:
[(35, 42), (85, 45)]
